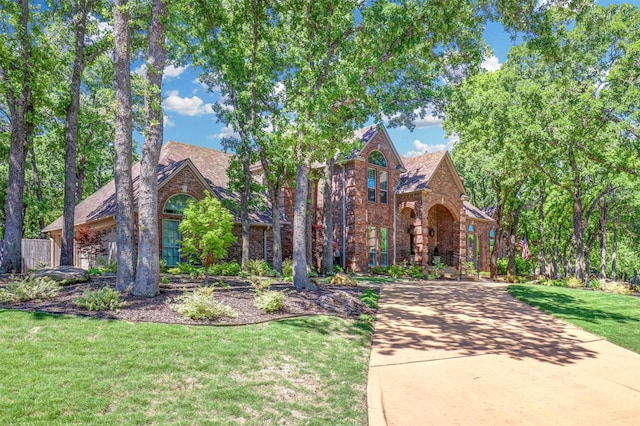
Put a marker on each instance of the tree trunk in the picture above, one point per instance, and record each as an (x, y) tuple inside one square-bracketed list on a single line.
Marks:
[(614, 249), (123, 146), (603, 238), (36, 180), (309, 226), (327, 248), (555, 264), (147, 281), (244, 202), (578, 223), (19, 105), (71, 135), (301, 279), (543, 266), (513, 233), (276, 262)]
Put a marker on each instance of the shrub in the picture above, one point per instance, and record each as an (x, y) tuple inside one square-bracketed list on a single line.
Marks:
[(163, 266), (370, 298), (377, 270), (469, 268), (343, 279), (415, 271), (595, 284), (554, 283), (523, 267), (257, 267), (93, 271), (439, 268), (502, 265), (395, 271), (260, 284), (103, 299), (21, 290), (287, 268), (108, 267), (432, 276), (337, 269), (200, 304), (270, 301), (227, 269), (574, 282), (618, 288)]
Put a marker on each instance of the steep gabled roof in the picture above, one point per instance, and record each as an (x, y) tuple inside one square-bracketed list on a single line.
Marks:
[(420, 170), (366, 134), (475, 213), (209, 165)]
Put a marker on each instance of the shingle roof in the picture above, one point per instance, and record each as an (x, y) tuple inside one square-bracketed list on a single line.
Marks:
[(475, 213), (212, 165), (419, 171)]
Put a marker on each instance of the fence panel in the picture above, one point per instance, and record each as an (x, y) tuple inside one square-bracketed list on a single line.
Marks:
[(36, 254)]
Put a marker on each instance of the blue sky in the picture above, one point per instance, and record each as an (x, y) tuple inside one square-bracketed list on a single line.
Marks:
[(189, 118)]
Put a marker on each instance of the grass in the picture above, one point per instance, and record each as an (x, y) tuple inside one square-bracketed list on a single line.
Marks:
[(70, 370), (612, 316)]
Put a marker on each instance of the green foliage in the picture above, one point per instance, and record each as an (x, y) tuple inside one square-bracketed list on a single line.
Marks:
[(94, 271), (395, 271), (206, 230), (336, 269), (200, 304), (102, 299), (260, 284), (415, 271), (469, 268), (270, 300), (439, 267), (573, 282), (618, 288), (523, 267), (226, 269), (21, 290), (370, 298), (163, 266), (258, 267), (377, 270), (287, 268), (107, 267)]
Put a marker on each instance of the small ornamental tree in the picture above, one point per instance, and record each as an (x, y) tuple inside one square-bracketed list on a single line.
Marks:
[(206, 231), (90, 242)]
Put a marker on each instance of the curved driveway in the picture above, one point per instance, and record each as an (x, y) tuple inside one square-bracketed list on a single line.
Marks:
[(460, 353)]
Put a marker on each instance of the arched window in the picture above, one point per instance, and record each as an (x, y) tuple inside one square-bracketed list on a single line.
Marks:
[(177, 204), (377, 159), (471, 228), (492, 240)]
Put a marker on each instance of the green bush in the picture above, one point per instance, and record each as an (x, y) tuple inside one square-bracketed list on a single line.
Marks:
[(21, 290), (200, 304), (107, 267), (370, 298), (595, 284), (415, 271), (469, 268), (257, 267), (396, 271), (554, 283), (226, 269), (618, 288), (574, 282), (523, 267), (270, 301), (94, 271), (337, 269), (103, 299), (377, 270), (287, 268), (260, 284), (439, 268)]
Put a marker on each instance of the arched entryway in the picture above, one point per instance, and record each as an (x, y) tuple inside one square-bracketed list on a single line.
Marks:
[(443, 235)]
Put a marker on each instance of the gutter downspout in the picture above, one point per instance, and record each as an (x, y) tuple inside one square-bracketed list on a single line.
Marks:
[(395, 208)]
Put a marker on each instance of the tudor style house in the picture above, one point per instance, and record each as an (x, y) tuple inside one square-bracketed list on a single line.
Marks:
[(386, 209)]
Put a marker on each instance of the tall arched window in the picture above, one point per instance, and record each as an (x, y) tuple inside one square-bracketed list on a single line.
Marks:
[(492, 240), (375, 177), (170, 228)]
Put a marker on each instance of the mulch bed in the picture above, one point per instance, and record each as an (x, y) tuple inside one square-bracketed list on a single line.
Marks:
[(240, 296)]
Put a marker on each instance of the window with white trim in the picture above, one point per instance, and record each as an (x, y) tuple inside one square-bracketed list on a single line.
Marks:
[(372, 245)]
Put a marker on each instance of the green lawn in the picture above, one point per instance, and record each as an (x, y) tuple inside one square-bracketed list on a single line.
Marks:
[(72, 370), (612, 316)]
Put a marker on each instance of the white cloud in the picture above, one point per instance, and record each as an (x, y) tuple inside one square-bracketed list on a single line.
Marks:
[(172, 71), (420, 148), (429, 120), (205, 86), (491, 64), (226, 132), (169, 72), (167, 121), (186, 106)]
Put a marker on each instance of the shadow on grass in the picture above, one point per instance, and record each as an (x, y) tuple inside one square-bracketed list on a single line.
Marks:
[(564, 305), (453, 319)]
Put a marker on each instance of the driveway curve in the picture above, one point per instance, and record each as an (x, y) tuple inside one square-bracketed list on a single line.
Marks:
[(467, 353)]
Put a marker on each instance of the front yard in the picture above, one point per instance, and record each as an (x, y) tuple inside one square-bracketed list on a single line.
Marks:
[(75, 370), (613, 316)]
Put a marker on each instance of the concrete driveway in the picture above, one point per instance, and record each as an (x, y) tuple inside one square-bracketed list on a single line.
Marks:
[(460, 353)]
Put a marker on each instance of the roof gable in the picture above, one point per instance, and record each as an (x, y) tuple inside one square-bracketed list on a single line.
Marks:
[(367, 134), (420, 171)]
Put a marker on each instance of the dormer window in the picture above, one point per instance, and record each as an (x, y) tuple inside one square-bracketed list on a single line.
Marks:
[(377, 180)]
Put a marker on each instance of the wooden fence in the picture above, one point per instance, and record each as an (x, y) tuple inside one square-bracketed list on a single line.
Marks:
[(36, 254)]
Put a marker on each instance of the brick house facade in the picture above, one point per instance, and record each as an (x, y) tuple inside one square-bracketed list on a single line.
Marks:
[(386, 209)]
